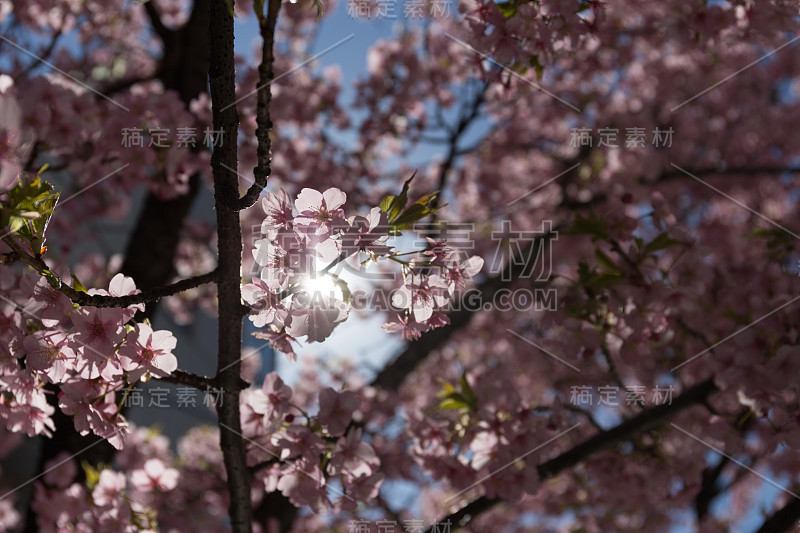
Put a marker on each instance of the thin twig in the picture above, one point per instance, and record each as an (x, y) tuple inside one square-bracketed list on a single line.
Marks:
[(82, 298), (263, 119)]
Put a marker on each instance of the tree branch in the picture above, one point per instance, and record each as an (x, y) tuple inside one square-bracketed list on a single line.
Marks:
[(155, 19), (179, 377), (644, 421), (43, 56), (783, 519), (265, 464), (709, 488), (81, 298), (222, 81), (394, 373), (742, 171), (126, 83), (263, 120)]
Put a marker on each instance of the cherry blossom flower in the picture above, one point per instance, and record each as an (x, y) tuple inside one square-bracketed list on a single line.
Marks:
[(326, 250), (278, 208), (59, 508), (353, 458), (318, 212), (265, 303), (92, 409), (366, 234), (98, 331), (49, 352), (253, 423), (280, 340), (10, 136), (9, 517), (60, 471), (74, 401), (121, 285), (274, 398), (336, 409), (651, 322), (441, 251), (298, 441), (457, 274), (316, 316), (360, 489), (483, 445), (110, 487), (154, 476), (32, 417), (421, 294), (150, 351), (108, 423), (409, 328), (304, 484), (283, 259), (56, 304)]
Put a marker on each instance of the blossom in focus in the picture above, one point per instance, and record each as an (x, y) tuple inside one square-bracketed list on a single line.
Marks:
[(318, 211), (146, 350)]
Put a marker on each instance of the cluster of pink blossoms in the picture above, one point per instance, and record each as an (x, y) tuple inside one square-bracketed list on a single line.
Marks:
[(94, 354), (424, 297), (301, 243), (288, 254), (304, 453)]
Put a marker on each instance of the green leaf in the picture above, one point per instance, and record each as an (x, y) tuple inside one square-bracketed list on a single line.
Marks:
[(467, 391), (416, 211), (447, 389), (776, 238), (455, 402), (77, 285), (591, 225), (402, 217), (347, 296), (401, 200), (597, 281), (508, 9), (91, 474), (27, 210), (538, 67), (386, 203), (606, 262), (453, 399), (639, 244), (605, 280), (16, 222), (659, 243), (407, 218)]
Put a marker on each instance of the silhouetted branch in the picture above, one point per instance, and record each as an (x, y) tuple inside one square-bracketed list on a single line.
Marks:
[(263, 119), (81, 298), (222, 81), (644, 421), (783, 519)]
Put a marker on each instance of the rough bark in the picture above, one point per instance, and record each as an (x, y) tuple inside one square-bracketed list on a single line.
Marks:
[(221, 73)]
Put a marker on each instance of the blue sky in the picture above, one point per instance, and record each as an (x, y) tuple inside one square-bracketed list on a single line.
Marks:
[(358, 339)]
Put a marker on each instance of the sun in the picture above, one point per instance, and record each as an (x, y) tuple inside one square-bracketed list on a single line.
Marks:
[(321, 285)]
